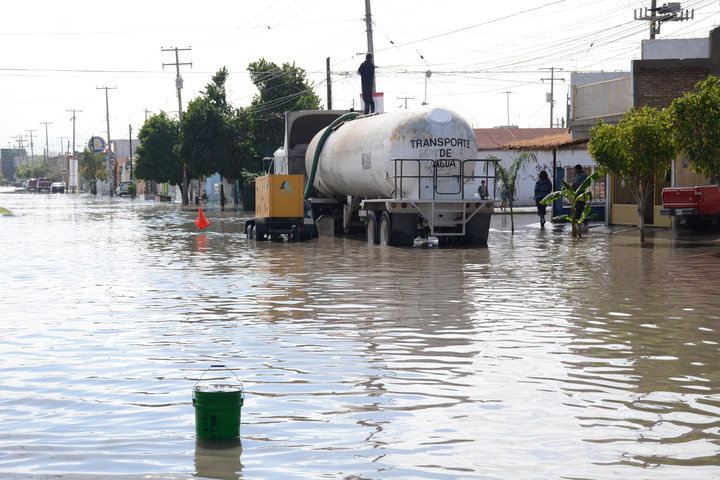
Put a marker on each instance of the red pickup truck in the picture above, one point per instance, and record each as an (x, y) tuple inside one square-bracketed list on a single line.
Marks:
[(697, 206), (44, 184)]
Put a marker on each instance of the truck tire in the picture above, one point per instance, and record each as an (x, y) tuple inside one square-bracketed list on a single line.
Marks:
[(250, 232), (385, 230), (371, 228)]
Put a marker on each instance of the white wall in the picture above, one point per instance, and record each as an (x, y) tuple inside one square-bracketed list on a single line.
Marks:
[(528, 177)]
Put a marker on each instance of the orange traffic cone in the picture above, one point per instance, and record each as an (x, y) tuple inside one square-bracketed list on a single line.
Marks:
[(201, 222)]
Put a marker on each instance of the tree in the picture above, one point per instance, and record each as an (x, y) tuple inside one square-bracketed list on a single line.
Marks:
[(32, 169), (92, 168), (509, 178), (639, 150), (215, 135), (695, 119), (281, 89), (157, 154), (582, 194)]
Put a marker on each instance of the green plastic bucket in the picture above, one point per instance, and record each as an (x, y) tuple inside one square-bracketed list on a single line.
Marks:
[(217, 410)]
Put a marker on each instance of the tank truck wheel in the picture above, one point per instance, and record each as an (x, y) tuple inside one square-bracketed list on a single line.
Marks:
[(250, 232), (385, 229), (372, 227)]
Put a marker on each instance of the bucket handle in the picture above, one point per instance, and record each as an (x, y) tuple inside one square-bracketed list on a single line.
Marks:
[(226, 368)]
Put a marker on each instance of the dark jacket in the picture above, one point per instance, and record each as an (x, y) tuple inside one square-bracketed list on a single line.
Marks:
[(543, 187), (579, 179), (366, 71)]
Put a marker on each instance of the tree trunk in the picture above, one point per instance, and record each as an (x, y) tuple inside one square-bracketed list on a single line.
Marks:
[(642, 202), (222, 195), (184, 187), (512, 220)]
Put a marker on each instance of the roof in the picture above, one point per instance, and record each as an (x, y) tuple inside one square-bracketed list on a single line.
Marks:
[(492, 138), (560, 141)]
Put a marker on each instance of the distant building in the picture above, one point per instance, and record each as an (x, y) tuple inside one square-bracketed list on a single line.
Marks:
[(489, 141), (11, 158)]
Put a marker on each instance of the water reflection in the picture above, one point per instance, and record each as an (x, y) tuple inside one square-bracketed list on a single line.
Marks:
[(554, 357), (218, 459)]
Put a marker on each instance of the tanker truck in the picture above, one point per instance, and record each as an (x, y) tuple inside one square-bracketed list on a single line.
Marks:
[(394, 176)]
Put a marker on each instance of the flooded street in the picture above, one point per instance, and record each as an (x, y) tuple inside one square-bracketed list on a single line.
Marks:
[(539, 357)]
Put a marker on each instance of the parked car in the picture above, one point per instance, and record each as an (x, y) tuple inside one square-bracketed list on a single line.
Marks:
[(32, 185), (44, 184), (57, 187), (698, 206), (121, 188)]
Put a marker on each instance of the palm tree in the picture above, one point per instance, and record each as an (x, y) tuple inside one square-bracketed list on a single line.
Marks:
[(509, 178)]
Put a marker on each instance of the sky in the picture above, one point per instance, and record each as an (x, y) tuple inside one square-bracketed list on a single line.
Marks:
[(489, 61)]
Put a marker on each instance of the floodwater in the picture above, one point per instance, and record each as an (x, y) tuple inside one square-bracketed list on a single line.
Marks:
[(538, 357)]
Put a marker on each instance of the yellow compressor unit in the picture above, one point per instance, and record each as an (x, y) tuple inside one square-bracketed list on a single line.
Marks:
[(280, 209)]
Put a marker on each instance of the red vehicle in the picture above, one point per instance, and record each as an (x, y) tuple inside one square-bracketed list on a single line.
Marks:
[(698, 206), (32, 185), (44, 184)]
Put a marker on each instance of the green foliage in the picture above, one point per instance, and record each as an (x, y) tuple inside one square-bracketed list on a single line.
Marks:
[(639, 150), (132, 190), (640, 146), (92, 168), (215, 136), (696, 120), (281, 89), (509, 178), (32, 169), (157, 157), (582, 194)]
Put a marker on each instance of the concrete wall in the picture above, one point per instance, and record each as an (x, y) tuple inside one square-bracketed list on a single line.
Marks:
[(662, 49)]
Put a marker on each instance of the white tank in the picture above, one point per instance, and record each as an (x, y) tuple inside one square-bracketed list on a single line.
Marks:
[(357, 158)]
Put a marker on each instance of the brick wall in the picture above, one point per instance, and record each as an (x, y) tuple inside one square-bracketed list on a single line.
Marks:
[(657, 83)]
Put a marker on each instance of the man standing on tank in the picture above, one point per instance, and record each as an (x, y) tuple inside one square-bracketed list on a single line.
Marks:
[(367, 76)]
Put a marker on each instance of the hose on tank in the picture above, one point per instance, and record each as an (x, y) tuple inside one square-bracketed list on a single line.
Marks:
[(318, 149)]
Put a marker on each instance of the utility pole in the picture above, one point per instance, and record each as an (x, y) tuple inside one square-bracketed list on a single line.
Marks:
[(508, 107), (32, 154), (73, 119), (329, 84), (179, 85), (406, 99), (47, 145), (19, 138), (131, 149), (109, 145), (368, 24), (551, 98), (653, 28), (669, 12), (146, 112), (428, 74)]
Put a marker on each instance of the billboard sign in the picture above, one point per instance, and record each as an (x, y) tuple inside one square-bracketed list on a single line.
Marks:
[(97, 144), (73, 174)]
